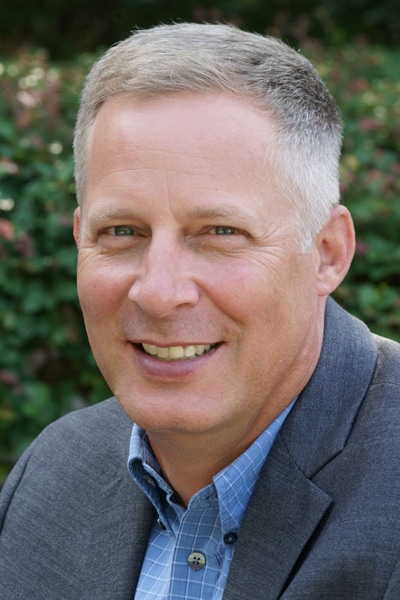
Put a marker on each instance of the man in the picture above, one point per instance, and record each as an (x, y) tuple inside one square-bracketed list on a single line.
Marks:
[(259, 420)]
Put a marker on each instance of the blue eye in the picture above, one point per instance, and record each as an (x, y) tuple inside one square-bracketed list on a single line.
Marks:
[(123, 230), (224, 230)]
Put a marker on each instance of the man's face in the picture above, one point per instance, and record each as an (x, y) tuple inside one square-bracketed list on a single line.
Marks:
[(201, 312)]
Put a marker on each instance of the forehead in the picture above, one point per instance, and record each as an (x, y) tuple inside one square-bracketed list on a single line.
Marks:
[(209, 118), (195, 157)]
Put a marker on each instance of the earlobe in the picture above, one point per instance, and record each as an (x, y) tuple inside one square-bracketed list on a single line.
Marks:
[(336, 245), (77, 225)]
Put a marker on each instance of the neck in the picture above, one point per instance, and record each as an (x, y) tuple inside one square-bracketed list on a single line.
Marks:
[(189, 461), (189, 464)]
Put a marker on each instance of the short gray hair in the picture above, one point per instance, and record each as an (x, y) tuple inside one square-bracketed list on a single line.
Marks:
[(206, 58)]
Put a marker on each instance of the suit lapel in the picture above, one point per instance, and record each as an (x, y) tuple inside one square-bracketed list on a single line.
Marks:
[(117, 516), (321, 420), (281, 517), (119, 532), (287, 506)]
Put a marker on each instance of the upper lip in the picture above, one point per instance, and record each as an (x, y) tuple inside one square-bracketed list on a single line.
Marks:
[(172, 344)]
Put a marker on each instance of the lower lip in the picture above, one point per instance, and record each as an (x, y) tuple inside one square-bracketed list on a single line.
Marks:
[(171, 370)]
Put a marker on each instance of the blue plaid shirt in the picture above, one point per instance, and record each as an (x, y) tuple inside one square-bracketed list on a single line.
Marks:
[(190, 551)]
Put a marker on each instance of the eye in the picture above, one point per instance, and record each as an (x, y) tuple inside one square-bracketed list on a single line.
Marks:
[(122, 230), (223, 230)]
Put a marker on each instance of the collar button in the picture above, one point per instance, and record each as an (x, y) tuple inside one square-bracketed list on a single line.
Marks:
[(230, 538)]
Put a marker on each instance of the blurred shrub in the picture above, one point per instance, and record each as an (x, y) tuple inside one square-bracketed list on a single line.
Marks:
[(366, 84), (67, 27), (46, 367)]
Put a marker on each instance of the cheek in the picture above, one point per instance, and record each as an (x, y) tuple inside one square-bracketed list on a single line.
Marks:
[(101, 289), (249, 294), (271, 302), (236, 285)]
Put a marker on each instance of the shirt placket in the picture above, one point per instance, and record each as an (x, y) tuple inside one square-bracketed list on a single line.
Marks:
[(197, 556)]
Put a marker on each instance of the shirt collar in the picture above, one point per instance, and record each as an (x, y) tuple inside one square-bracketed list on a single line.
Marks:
[(233, 486)]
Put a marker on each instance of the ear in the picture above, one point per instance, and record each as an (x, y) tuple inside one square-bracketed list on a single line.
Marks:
[(335, 245), (77, 225)]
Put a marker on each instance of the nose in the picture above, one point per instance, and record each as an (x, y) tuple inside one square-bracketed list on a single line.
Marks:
[(166, 278)]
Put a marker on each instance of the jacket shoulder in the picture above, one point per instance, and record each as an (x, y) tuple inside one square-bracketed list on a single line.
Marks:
[(73, 522), (388, 364), (83, 447), (104, 426)]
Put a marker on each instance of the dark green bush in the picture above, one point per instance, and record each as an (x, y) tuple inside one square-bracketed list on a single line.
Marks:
[(366, 84), (68, 27), (46, 368)]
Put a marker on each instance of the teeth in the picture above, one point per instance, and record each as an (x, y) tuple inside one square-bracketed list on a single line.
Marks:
[(176, 352)]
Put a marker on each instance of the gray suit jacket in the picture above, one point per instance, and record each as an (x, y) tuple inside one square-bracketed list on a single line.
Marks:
[(323, 522)]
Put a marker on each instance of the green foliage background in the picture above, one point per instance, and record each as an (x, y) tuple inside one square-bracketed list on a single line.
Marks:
[(67, 26), (46, 367)]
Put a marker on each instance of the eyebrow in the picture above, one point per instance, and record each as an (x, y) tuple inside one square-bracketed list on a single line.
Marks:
[(211, 213), (201, 213), (111, 213), (218, 213)]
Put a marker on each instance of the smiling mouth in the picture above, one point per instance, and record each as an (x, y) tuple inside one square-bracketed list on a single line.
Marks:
[(176, 352)]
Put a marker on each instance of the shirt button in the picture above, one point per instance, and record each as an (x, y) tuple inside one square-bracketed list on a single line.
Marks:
[(230, 538), (150, 480), (196, 561), (161, 524)]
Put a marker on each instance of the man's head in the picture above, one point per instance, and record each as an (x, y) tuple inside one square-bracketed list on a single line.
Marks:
[(210, 59), (203, 310)]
